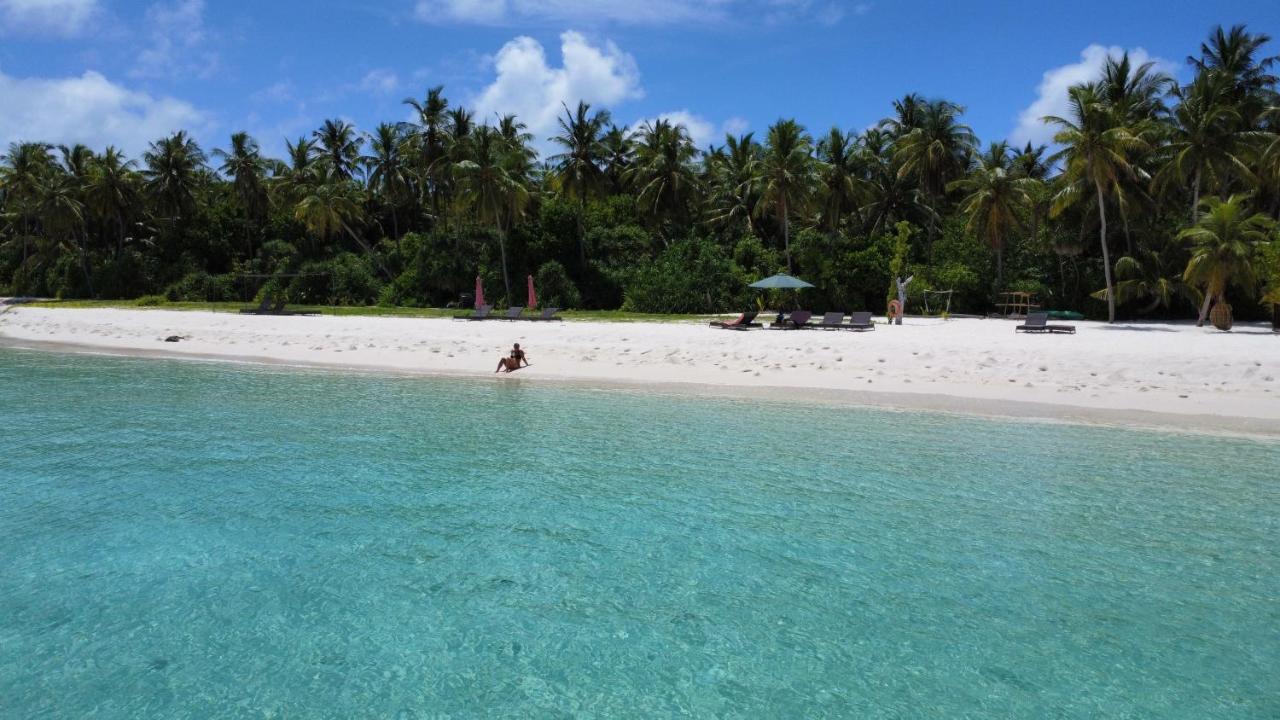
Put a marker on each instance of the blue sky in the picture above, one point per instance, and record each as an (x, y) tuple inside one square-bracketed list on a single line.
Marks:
[(127, 71)]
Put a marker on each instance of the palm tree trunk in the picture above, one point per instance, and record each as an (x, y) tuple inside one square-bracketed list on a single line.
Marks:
[(999, 266), (502, 249), (84, 266), (786, 234), (582, 230), (377, 259), (1106, 256), (1204, 308), (1195, 198)]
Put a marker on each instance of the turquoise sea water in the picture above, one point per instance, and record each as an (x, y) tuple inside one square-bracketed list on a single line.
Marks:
[(189, 540)]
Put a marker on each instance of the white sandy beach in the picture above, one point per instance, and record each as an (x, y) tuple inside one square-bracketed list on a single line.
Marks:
[(1171, 375)]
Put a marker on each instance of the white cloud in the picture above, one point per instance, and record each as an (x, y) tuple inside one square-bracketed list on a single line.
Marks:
[(380, 82), (631, 12), (177, 42), (702, 131), (527, 86), (46, 17), (92, 110), (1051, 95)]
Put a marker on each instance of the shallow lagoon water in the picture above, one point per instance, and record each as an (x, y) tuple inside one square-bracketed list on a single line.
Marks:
[(194, 540)]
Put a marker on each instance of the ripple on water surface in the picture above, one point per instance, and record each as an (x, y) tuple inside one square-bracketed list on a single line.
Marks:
[(193, 540)]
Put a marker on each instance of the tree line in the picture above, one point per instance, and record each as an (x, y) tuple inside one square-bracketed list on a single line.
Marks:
[(1159, 199)]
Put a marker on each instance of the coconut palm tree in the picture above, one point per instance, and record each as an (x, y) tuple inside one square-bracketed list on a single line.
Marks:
[(173, 171), (839, 177), (733, 183), (63, 216), (787, 178), (113, 192), (1154, 276), (1095, 155), (340, 148), (334, 208), (1224, 245), (996, 202), (490, 182), (389, 176), (935, 152), (1205, 145), (23, 170), (1233, 53), (428, 142), (244, 164), (578, 166), (663, 175), (619, 153)]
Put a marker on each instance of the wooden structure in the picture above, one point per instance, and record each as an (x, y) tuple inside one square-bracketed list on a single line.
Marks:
[(1016, 304)]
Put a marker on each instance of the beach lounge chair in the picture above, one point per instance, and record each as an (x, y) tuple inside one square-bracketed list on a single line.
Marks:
[(796, 320), (547, 315), (831, 321), (514, 313), (742, 322), (1039, 323), (480, 313), (860, 321)]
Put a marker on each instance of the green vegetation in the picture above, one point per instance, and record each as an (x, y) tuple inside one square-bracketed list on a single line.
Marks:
[(1158, 199)]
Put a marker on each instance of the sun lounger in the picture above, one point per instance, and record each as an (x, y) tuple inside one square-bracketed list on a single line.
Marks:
[(795, 321), (831, 321), (1039, 323), (860, 321), (480, 313), (513, 313), (547, 315), (742, 322)]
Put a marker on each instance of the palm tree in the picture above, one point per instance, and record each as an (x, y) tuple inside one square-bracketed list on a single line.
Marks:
[(429, 141), (491, 183), (22, 172), (1153, 275), (786, 176), (389, 175), (333, 208), (173, 172), (936, 152), (1234, 54), (1205, 145), (340, 146), (1224, 244), (62, 214), (243, 163), (578, 167), (663, 174), (1096, 150), (996, 202), (734, 183), (1134, 92), (619, 153), (839, 178), (113, 192)]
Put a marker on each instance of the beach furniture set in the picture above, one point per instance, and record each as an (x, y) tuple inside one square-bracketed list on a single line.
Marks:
[(800, 320), (485, 312)]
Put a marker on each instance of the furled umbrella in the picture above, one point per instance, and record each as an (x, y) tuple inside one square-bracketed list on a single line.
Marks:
[(533, 298), (479, 293)]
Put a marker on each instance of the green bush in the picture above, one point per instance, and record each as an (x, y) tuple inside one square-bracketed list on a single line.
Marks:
[(150, 301), (555, 288), (202, 287), (691, 276)]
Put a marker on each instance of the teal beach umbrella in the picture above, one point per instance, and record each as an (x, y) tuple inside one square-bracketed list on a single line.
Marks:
[(780, 282)]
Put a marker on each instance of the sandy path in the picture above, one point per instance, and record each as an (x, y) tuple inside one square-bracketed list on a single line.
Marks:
[(1191, 377)]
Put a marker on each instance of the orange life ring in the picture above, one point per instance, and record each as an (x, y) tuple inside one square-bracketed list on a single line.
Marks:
[(895, 310)]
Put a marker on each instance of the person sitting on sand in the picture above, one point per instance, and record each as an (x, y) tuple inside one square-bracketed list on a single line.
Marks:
[(511, 363)]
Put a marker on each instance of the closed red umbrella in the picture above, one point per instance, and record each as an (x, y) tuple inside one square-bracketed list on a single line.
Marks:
[(479, 293), (533, 298)]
